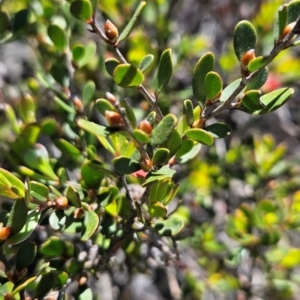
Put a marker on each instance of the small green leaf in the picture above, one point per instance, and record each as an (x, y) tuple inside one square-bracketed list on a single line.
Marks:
[(90, 224), (200, 135), (83, 54), (293, 11), (204, 65), (164, 72), (103, 105), (125, 165), (125, 33), (67, 148), (88, 92), (57, 220), (219, 130), (229, 90), (141, 136), (162, 173), (110, 65), (58, 36), (259, 62), (169, 227), (160, 156), (251, 101), (78, 52), (186, 146), (72, 194), (11, 186), (281, 22), (93, 128), (129, 113), (44, 285), (244, 38), (157, 210), (18, 217), (4, 22), (146, 62), (30, 225), (213, 85), (275, 99), (82, 10), (53, 247), (163, 130), (39, 191), (91, 176), (258, 81), (25, 255), (126, 75), (173, 143), (188, 111)]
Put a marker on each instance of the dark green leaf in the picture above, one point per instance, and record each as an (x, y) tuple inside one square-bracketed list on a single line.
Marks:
[(188, 111), (58, 36), (141, 136), (30, 225), (200, 135), (125, 165), (53, 247), (219, 130), (18, 217), (132, 22), (244, 38), (82, 10), (146, 62), (163, 130), (186, 146), (258, 81), (26, 255), (204, 65), (103, 105), (72, 194), (129, 113), (293, 11), (213, 85), (281, 22), (88, 92), (4, 22), (251, 101), (90, 224), (110, 65), (91, 176), (126, 75), (160, 156), (67, 148), (44, 285), (39, 191), (173, 143), (164, 72)]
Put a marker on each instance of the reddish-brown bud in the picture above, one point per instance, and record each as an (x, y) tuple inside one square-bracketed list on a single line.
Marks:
[(200, 123), (146, 165), (79, 213), (78, 105), (288, 28), (8, 296), (146, 127), (247, 57), (111, 31), (5, 233), (114, 119), (61, 203)]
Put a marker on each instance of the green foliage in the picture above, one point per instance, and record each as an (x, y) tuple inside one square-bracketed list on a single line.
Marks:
[(103, 172)]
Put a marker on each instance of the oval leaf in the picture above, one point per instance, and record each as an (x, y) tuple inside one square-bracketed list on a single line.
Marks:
[(228, 91), (90, 224), (213, 85), (26, 255), (44, 285), (258, 81), (110, 65), (200, 135), (103, 105), (141, 136), (91, 176), (58, 36), (204, 65), (126, 75), (160, 156), (18, 217), (163, 130), (125, 165), (164, 72), (251, 101), (82, 10), (244, 38), (259, 62), (219, 130), (146, 62), (188, 111)]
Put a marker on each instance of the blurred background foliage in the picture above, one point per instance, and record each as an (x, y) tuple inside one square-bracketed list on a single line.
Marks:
[(239, 199)]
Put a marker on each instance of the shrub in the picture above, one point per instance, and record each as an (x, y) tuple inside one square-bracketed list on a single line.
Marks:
[(96, 154)]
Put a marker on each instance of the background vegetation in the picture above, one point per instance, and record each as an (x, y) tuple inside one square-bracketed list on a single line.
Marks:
[(230, 230)]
